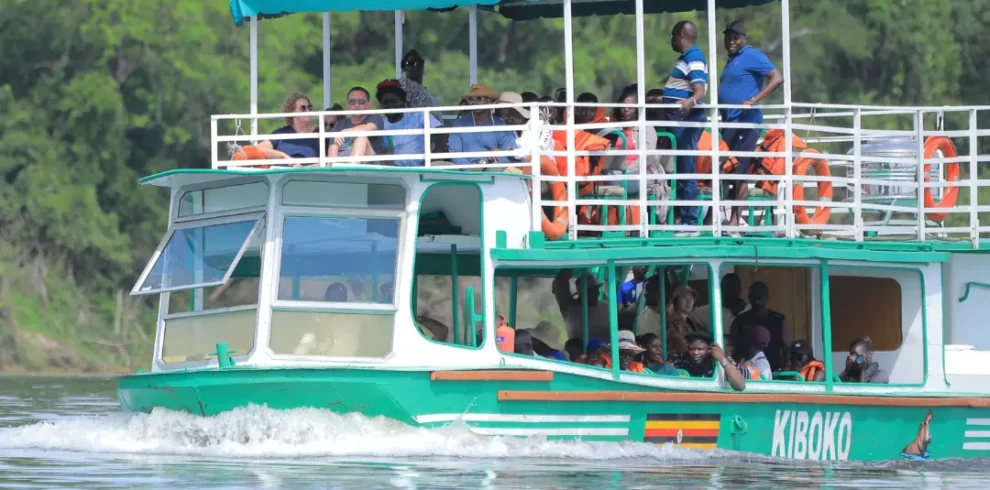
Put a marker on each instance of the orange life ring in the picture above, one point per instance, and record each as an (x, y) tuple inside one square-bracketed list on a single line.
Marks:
[(822, 213), (556, 228), (948, 150)]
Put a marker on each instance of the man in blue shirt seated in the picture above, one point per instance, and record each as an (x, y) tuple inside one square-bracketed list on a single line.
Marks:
[(390, 95), (477, 142), (686, 87), (358, 99), (742, 82)]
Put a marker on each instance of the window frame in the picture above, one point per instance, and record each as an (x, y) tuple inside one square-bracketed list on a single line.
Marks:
[(238, 216)]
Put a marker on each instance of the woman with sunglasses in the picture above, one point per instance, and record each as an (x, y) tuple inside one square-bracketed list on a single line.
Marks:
[(295, 148), (412, 82)]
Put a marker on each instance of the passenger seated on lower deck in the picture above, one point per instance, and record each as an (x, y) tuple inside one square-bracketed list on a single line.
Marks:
[(524, 343), (653, 356), (498, 140), (732, 304), (680, 323), (574, 348), (336, 293), (358, 99), (390, 95), (802, 358), (700, 359), (761, 314), (860, 367), (546, 341), (749, 352), (628, 350), (570, 306)]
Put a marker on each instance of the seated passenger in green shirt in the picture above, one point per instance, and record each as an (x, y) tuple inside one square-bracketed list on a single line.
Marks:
[(653, 357)]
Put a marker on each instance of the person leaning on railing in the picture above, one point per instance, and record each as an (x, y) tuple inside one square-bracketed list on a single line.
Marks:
[(479, 142), (390, 95), (295, 148)]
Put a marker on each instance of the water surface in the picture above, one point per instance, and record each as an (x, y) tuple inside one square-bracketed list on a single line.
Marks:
[(69, 432)]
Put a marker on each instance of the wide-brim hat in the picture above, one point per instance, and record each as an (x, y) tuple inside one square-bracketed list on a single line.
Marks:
[(514, 98), (479, 90), (682, 290), (548, 333), (627, 341)]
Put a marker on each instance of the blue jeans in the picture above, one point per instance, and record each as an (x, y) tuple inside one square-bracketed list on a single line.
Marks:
[(741, 139), (687, 139)]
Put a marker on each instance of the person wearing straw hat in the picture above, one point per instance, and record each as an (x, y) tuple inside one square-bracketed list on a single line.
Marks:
[(517, 116), (479, 142), (628, 350)]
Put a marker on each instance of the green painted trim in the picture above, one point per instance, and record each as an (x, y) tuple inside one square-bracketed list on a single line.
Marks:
[(454, 323), (969, 285), (663, 312), (453, 260), (613, 317), (687, 251), (583, 284), (481, 179), (513, 299), (825, 303), (439, 172), (898, 246)]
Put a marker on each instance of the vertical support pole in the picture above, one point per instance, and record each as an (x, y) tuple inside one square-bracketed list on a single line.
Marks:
[(198, 294), (974, 218), (513, 299), (919, 128), (662, 300), (642, 128), (535, 126), (214, 149), (473, 42), (713, 97), (569, 86), (399, 18), (788, 185), (826, 302), (254, 78), (613, 318), (327, 94), (415, 294), (453, 290), (858, 174), (785, 34), (583, 282)]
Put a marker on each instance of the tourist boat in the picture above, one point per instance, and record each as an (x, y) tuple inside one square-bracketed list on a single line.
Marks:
[(250, 251)]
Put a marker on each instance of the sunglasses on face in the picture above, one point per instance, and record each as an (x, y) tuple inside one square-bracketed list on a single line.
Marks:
[(304, 108), (357, 101), (410, 64), (477, 100)]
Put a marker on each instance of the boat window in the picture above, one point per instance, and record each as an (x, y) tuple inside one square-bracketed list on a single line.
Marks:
[(220, 199), (338, 260), (343, 194), (336, 334), (199, 256), (449, 303), (194, 337), (885, 306)]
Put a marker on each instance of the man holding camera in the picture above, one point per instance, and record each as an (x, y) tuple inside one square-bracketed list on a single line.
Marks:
[(860, 367)]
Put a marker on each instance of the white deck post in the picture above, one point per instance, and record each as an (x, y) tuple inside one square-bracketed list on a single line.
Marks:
[(254, 78), (326, 60), (858, 174), (473, 42), (919, 127), (785, 44), (713, 97), (785, 33), (569, 86), (398, 43), (974, 217), (643, 128)]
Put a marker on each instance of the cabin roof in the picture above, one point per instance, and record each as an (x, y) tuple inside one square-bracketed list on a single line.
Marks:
[(181, 176), (242, 10)]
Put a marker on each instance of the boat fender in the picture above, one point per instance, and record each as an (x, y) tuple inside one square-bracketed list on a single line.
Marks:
[(943, 145)]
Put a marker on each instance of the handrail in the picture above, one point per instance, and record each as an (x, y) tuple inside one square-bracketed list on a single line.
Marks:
[(895, 193)]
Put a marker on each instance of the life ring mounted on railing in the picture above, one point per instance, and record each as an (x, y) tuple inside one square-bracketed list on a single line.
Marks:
[(941, 145), (822, 213), (554, 228)]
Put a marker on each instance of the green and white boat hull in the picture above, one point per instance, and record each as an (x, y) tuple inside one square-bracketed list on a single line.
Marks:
[(566, 406)]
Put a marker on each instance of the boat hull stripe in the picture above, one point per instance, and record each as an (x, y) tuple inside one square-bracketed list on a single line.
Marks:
[(685, 433), (690, 445), (570, 431), (520, 418), (677, 424), (977, 421), (774, 399), (976, 446), (978, 433)]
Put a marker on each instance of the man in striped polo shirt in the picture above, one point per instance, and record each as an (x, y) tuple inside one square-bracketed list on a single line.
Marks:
[(686, 86)]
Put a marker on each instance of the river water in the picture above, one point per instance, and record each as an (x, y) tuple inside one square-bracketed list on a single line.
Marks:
[(69, 432)]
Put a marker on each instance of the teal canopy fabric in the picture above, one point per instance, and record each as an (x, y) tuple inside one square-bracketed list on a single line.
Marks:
[(242, 10)]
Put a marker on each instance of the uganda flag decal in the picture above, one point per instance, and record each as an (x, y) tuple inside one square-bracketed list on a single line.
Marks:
[(697, 431)]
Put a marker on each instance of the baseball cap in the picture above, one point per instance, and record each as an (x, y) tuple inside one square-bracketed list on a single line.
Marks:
[(737, 26)]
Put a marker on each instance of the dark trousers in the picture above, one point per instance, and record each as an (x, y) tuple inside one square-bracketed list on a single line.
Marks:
[(741, 139), (687, 139)]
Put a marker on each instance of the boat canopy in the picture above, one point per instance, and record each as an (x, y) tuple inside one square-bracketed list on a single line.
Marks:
[(242, 10)]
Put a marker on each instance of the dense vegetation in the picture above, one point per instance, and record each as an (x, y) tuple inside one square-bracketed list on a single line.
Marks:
[(95, 94)]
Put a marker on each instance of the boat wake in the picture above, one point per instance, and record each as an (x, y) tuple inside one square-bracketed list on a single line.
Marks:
[(258, 431)]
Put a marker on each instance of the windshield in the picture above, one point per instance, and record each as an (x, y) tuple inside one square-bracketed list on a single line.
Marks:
[(198, 256)]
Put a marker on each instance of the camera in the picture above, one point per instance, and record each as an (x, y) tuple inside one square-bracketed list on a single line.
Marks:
[(860, 360)]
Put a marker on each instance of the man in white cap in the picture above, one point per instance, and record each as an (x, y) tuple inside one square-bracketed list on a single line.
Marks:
[(515, 116)]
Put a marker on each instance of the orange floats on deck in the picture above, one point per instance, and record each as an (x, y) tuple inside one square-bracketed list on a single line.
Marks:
[(943, 145), (801, 166), (554, 228), (250, 153), (703, 163)]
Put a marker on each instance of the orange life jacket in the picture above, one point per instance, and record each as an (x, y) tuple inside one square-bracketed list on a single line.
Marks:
[(703, 163), (636, 367), (583, 141), (809, 370), (749, 371), (774, 141)]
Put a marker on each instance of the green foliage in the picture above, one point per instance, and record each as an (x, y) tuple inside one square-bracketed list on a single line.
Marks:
[(95, 94)]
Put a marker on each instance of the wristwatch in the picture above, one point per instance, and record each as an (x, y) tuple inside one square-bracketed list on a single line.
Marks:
[(724, 362)]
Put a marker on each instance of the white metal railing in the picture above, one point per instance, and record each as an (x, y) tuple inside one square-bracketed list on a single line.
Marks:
[(880, 152)]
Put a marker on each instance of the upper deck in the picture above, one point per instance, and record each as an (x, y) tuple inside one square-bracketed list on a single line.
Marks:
[(907, 174)]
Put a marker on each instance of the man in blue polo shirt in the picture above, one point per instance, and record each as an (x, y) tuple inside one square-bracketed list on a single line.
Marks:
[(742, 82), (686, 86)]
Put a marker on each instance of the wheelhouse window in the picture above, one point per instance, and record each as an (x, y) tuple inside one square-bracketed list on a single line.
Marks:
[(336, 293), (198, 255)]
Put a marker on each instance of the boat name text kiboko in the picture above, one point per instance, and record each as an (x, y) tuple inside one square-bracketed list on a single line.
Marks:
[(818, 436)]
